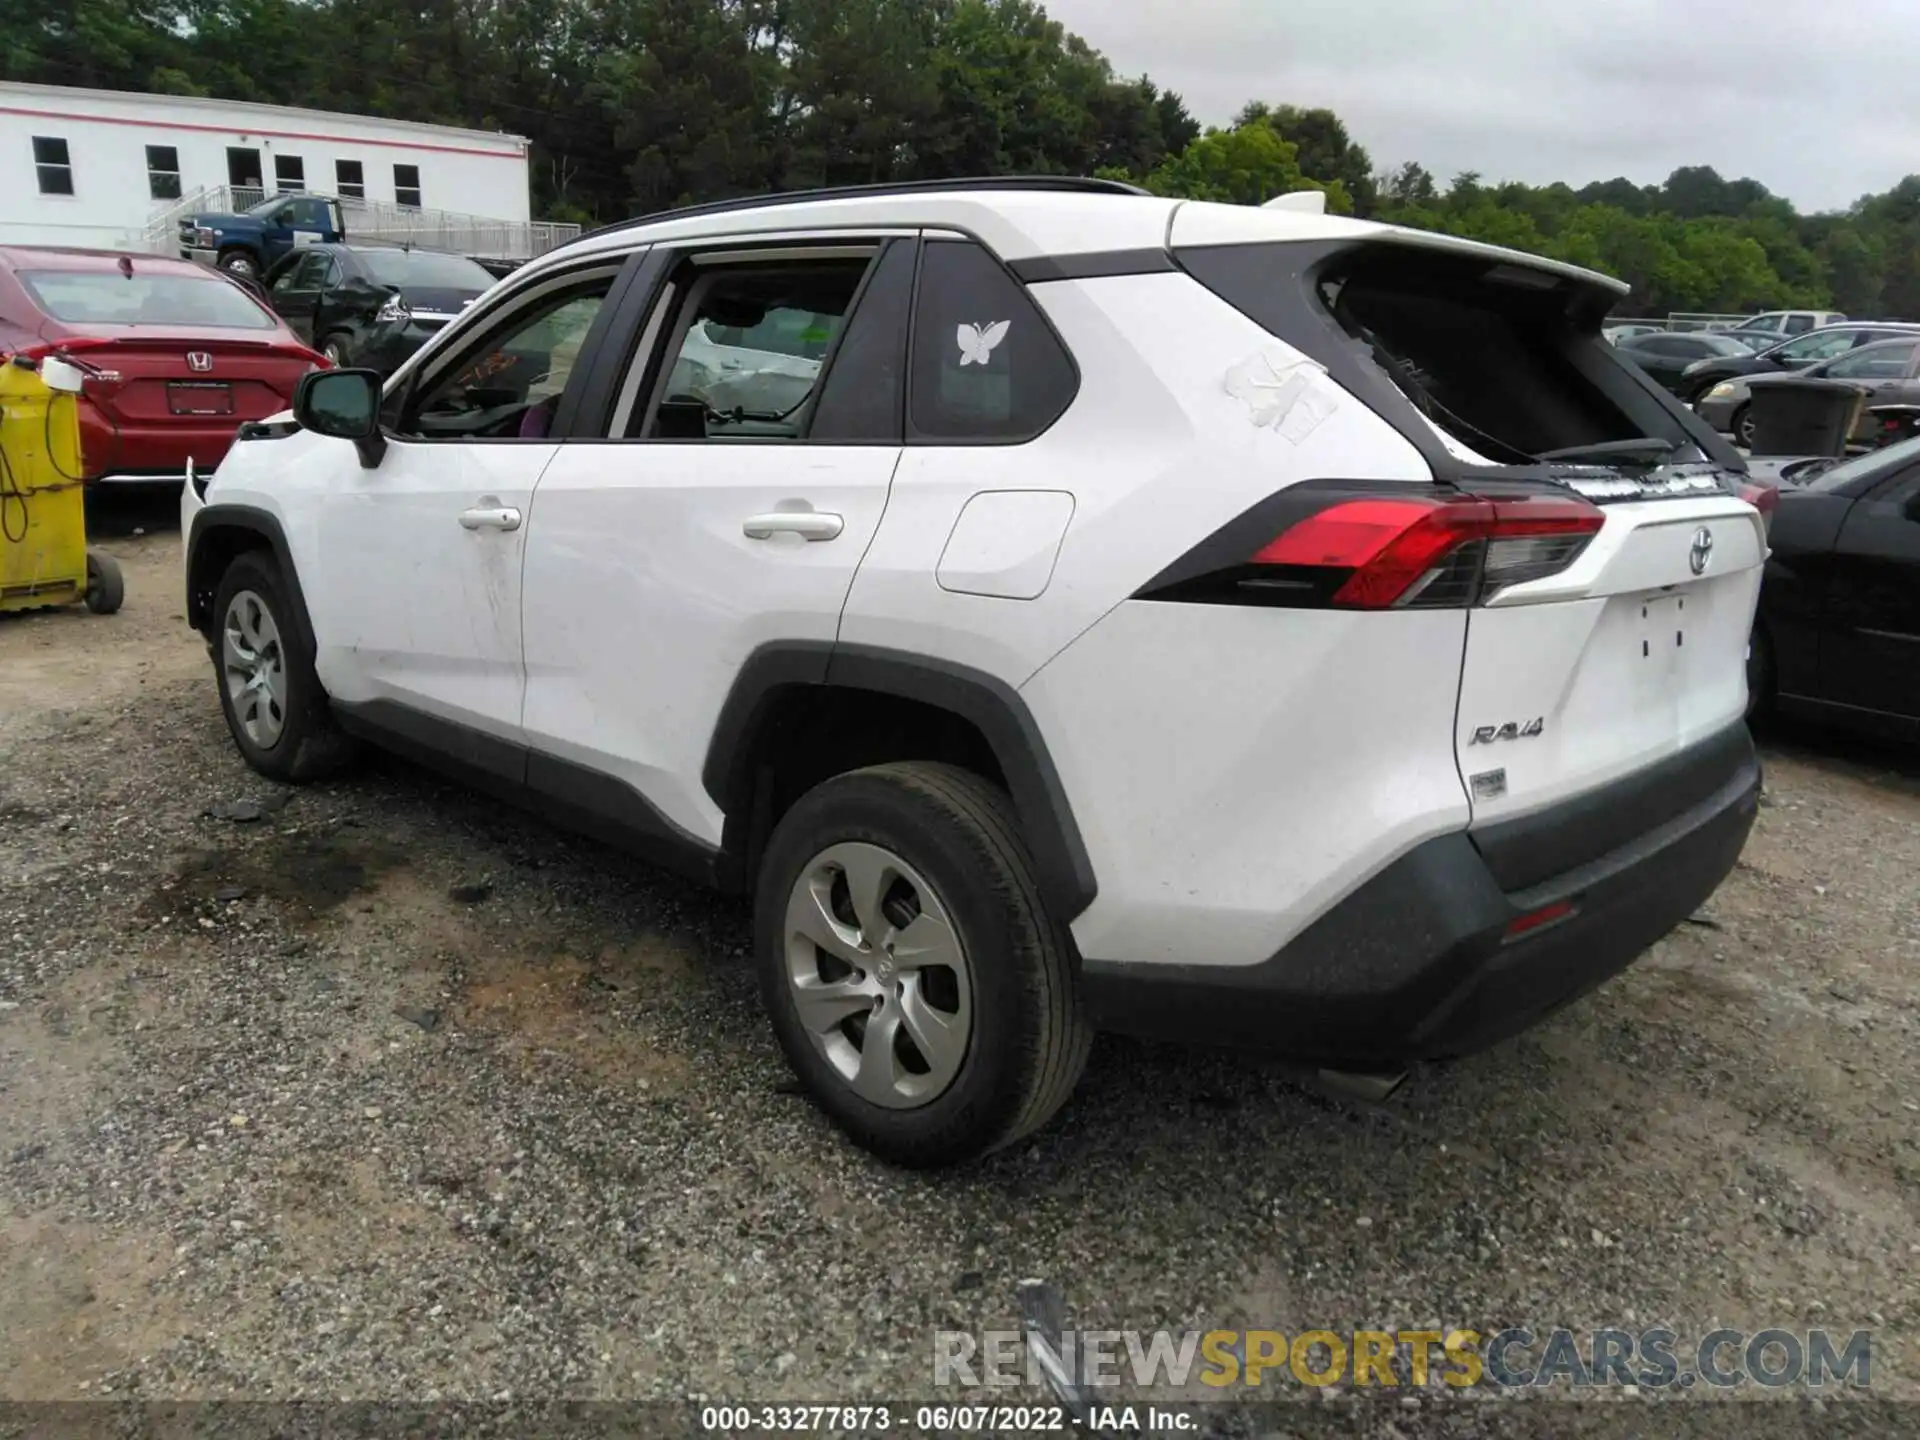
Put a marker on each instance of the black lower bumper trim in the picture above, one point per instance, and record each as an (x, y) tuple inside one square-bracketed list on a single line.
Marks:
[(1418, 963), (1532, 849)]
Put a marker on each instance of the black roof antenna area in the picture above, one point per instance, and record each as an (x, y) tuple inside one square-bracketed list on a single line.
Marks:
[(126, 266)]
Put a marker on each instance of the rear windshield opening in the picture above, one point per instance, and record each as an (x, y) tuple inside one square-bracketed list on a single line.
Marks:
[(420, 269), (1491, 356)]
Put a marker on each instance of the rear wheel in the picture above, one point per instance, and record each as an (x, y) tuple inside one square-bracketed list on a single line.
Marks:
[(275, 707), (913, 976), (335, 349), (239, 262), (1742, 426)]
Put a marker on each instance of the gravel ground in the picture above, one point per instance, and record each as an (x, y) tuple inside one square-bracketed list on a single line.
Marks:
[(378, 1090)]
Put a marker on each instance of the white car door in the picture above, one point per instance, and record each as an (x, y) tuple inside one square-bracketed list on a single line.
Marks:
[(420, 556), (665, 554)]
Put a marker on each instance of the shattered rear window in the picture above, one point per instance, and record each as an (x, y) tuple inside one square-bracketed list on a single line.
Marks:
[(1490, 363)]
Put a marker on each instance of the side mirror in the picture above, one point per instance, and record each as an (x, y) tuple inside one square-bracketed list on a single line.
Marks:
[(346, 405)]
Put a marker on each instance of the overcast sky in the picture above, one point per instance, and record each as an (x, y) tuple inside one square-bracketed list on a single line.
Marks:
[(1820, 102)]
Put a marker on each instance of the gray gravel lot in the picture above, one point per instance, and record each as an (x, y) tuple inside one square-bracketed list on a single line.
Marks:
[(379, 1090)]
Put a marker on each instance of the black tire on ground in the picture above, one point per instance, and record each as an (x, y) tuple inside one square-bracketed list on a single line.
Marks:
[(239, 262), (106, 588), (1029, 1037), (310, 745), (335, 349), (1760, 679), (1742, 426)]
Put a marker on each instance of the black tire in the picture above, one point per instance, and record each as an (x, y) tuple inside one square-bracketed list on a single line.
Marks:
[(1741, 427), (239, 262), (1760, 677), (309, 745), (106, 587), (1029, 1036), (335, 348)]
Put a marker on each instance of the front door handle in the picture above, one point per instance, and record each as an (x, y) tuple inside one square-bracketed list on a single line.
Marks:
[(807, 524), (490, 517)]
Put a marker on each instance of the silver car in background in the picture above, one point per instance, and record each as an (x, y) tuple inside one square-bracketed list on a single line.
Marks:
[(1889, 371)]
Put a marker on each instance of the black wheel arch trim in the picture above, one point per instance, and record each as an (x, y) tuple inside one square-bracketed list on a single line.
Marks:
[(265, 524), (992, 706)]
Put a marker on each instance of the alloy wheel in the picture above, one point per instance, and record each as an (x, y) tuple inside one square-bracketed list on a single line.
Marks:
[(878, 975), (253, 668)]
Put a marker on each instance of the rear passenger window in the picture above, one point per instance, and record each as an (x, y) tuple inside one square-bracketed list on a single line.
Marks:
[(986, 365), (868, 381)]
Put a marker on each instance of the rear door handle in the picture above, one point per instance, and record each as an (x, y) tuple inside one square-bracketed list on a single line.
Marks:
[(808, 524), (490, 517)]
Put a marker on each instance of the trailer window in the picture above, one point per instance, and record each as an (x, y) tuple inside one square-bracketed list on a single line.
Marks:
[(52, 165), (163, 172)]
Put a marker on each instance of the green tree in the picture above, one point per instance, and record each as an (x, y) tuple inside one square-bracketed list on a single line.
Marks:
[(1247, 165), (1324, 148)]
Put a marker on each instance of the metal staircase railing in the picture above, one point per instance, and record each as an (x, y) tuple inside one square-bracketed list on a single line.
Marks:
[(378, 220)]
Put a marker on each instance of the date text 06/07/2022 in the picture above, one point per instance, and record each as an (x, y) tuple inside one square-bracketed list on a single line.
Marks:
[(886, 1419)]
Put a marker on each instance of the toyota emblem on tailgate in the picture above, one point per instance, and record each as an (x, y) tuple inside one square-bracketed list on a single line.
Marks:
[(199, 360), (1702, 551)]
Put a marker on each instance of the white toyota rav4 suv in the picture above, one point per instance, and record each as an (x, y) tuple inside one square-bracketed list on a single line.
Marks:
[(1182, 619)]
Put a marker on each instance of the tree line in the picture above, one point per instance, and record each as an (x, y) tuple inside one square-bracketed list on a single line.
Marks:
[(638, 105)]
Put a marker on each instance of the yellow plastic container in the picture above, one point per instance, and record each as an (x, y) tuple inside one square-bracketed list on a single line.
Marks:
[(43, 514)]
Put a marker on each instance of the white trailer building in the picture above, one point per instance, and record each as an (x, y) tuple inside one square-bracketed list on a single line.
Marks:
[(113, 169)]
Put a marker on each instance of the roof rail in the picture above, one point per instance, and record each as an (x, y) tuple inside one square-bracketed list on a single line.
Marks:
[(1077, 184)]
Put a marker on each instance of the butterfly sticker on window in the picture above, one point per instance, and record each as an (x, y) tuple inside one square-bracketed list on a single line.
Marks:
[(978, 342)]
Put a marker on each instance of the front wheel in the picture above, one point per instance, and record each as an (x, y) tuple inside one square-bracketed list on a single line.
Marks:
[(274, 705), (914, 979), (239, 262)]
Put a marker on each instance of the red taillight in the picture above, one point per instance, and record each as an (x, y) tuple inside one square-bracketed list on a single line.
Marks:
[(1764, 498), (305, 356), (1397, 548)]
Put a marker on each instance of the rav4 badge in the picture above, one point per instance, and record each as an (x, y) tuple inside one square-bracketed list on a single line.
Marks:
[(1512, 730)]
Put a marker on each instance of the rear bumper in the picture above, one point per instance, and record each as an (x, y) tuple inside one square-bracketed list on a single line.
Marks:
[(1419, 963), (149, 453)]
